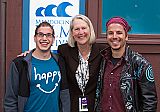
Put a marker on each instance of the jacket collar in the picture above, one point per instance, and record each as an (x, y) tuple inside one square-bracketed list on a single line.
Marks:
[(106, 53), (94, 52), (29, 56), (74, 52), (128, 54)]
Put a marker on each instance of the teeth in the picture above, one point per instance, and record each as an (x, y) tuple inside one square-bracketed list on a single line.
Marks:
[(115, 42), (80, 37), (44, 43)]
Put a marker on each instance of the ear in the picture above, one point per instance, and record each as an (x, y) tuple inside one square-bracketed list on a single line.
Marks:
[(126, 37), (53, 39), (34, 38)]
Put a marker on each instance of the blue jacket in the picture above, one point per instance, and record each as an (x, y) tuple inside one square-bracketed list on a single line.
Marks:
[(137, 83), (18, 85)]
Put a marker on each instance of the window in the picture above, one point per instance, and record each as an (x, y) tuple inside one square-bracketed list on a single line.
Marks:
[(142, 15)]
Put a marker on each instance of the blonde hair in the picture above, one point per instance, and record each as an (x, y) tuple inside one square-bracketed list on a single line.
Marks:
[(92, 38)]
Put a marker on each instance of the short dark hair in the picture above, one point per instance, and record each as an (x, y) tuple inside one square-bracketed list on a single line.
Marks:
[(43, 24)]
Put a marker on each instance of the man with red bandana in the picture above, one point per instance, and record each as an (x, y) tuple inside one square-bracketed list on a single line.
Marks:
[(126, 81)]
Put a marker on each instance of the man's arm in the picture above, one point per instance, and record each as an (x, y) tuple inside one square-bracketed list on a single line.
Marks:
[(64, 91), (11, 95), (148, 89)]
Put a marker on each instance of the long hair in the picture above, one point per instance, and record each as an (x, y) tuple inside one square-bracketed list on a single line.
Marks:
[(92, 38)]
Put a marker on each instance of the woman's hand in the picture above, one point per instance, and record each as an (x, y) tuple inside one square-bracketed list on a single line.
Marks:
[(24, 54)]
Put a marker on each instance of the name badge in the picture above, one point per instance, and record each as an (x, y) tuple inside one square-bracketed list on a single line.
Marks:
[(83, 107)]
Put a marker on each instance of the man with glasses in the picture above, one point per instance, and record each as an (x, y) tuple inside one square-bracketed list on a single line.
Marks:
[(37, 82)]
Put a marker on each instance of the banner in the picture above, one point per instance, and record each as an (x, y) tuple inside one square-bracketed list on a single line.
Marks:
[(57, 12)]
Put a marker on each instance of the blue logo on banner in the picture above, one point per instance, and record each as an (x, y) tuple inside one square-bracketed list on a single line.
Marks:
[(60, 10)]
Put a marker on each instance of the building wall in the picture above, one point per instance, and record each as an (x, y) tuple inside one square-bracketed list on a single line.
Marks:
[(10, 38), (2, 52)]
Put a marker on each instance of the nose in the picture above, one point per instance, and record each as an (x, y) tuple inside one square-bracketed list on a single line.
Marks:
[(81, 31), (114, 35), (44, 37)]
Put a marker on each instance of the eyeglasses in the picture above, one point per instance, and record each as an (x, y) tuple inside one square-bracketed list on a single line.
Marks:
[(48, 35)]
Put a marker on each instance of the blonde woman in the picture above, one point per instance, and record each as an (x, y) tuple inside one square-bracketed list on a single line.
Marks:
[(82, 59)]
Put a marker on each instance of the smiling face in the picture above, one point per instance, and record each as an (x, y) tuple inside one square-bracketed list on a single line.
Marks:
[(117, 37), (81, 32), (44, 39)]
